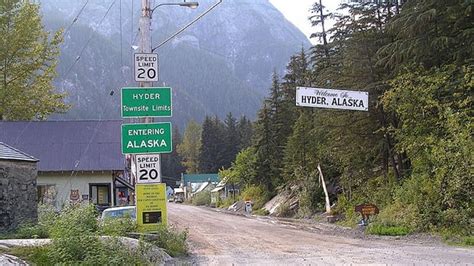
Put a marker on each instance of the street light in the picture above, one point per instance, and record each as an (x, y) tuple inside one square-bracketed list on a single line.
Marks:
[(192, 5)]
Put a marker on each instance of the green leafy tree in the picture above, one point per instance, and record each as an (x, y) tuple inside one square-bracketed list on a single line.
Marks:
[(242, 170), (190, 147), (435, 111), (28, 58)]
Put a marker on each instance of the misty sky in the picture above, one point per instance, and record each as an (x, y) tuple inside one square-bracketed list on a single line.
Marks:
[(297, 12)]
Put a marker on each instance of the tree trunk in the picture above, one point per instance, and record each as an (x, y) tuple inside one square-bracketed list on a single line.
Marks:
[(328, 204)]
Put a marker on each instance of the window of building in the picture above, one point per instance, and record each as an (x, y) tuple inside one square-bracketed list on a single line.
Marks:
[(46, 194), (100, 194)]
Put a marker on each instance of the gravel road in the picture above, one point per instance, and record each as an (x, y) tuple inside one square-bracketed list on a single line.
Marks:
[(218, 238)]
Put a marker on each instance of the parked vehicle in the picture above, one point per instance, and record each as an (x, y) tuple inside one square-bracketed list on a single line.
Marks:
[(179, 198), (119, 212)]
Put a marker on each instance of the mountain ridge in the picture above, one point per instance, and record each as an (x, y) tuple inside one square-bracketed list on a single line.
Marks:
[(221, 64)]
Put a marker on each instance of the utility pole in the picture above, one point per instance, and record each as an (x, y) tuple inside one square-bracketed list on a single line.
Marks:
[(144, 45)]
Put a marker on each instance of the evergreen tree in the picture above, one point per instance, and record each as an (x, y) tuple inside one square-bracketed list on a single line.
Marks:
[(245, 129), (28, 58), (211, 155), (265, 148), (231, 141), (430, 33), (319, 16)]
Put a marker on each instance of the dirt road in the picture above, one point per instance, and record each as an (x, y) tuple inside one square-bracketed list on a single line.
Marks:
[(224, 239)]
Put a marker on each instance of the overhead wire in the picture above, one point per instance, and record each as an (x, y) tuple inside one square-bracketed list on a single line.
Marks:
[(65, 33), (78, 162), (88, 40), (187, 25), (76, 17)]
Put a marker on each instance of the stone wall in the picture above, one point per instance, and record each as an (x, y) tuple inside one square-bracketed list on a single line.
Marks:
[(17, 193)]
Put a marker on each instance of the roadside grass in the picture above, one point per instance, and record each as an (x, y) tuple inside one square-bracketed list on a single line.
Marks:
[(26, 231), (38, 255), (261, 212), (468, 240), (75, 233), (172, 241), (456, 239), (226, 203), (378, 229)]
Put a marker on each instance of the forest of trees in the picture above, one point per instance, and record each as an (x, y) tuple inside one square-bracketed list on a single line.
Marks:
[(411, 153), (209, 147)]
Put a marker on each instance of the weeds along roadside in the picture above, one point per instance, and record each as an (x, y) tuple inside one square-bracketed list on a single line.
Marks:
[(78, 237)]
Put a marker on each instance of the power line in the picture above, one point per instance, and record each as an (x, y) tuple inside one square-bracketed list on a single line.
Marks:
[(88, 40), (187, 25), (76, 17)]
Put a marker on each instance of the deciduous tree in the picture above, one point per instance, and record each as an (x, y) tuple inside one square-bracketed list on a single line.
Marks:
[(28, 58)]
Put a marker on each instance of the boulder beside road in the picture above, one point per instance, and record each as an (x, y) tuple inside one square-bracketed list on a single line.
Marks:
[(9, 260)]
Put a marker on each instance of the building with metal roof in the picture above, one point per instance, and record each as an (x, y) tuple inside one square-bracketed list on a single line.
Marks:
[(18, 178), (68, 145), (199, 178), (9, 153), (78, 160)]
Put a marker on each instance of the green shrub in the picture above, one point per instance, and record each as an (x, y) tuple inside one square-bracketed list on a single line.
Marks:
[(26, 231), (74, 234), (347, 207), (377, 229), (75, 220), (468, 240), (225, 203), (174, 242), (399, 214), (75, 239), (202, 198), (47, 215), (110, 253), (117, 226), (37, 255), (256, 194), (284, 210), (261, 212)]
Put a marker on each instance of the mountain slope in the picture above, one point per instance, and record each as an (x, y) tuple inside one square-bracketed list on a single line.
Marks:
[(221, 64)]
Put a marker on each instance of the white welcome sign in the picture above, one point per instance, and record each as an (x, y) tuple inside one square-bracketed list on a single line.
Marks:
[(334, 99)]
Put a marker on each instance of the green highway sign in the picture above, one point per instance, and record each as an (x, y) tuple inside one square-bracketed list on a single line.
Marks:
[(146, 138), (146, 102)]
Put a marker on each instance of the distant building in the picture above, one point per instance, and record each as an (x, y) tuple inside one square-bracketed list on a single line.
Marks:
[(18, 173), (195, 183), (80, 161)]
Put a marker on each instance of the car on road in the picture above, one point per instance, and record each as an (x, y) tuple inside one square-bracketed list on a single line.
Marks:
[(119, 212)]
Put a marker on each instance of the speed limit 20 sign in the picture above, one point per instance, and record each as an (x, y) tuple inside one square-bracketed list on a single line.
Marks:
[(146, 67), (148, 168)]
